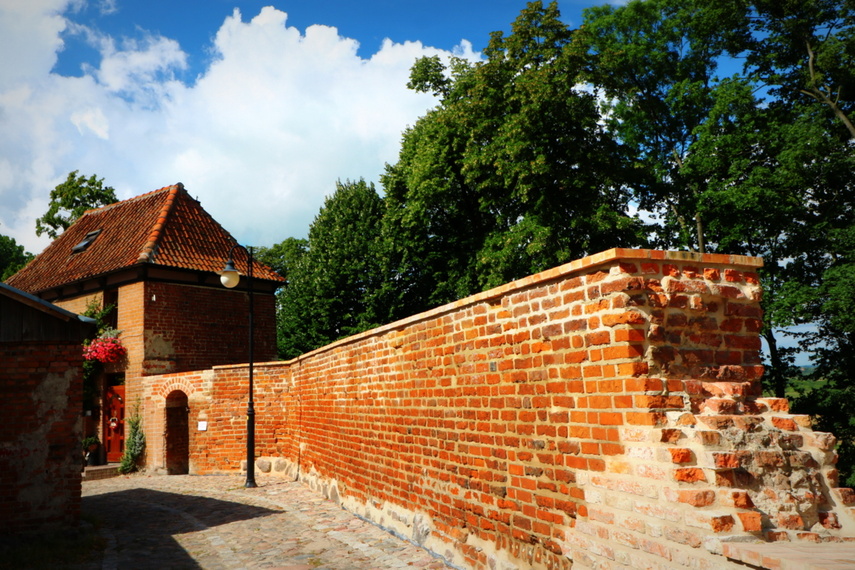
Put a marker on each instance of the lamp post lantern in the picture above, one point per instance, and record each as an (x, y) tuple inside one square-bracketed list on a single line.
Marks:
[(229, 277)]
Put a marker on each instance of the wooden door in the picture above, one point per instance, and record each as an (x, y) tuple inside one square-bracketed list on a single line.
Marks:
[(114, 423)]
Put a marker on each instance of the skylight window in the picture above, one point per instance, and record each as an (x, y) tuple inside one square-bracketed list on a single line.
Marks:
[(87, 241)]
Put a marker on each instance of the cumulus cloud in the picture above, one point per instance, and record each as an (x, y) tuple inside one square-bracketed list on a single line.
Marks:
[(260, 136), (29, 39)]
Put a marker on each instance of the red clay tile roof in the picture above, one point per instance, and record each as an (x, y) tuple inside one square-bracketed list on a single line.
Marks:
[(166, 228)]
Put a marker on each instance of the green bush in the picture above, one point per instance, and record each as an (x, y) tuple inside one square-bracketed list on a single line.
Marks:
[(134, 443)]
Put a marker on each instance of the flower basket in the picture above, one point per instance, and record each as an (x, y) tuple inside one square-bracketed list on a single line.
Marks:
[(105, 350)]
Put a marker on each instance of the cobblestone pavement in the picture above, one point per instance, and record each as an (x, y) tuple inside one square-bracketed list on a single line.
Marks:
[(213, 522)]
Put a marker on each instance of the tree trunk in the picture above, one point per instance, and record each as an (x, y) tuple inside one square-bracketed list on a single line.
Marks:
[(777, 377)]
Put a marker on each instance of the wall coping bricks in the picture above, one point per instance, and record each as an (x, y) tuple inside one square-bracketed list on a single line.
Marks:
[(589, 262)]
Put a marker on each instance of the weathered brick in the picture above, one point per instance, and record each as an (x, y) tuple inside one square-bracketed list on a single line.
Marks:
[(751, 522), (689, 475), (681, 455)]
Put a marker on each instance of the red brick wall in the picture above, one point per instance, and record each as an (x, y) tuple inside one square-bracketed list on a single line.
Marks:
[(192, 328), (606, 412), (80, 304), (40, 434), (186, 328)]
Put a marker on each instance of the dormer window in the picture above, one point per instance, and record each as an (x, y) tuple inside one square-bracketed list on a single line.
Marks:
[(87, 241)]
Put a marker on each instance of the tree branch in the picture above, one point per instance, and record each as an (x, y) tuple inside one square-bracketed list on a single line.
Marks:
[(822, 97)]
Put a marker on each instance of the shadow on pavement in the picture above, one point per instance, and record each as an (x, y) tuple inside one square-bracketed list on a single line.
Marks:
[(144, 523)]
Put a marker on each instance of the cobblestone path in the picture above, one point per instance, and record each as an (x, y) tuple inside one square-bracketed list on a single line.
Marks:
[(213, 522)]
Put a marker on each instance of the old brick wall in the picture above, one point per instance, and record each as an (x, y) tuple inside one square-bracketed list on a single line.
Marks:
[(40, 434), (191, 328), (606, 413), (80, 304), (188, 328)]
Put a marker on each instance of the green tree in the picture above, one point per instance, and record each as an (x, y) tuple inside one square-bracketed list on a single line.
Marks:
[(282, 257), (761, 161), (511, 174), (833, 348), (13, 257), (803, 55), (333, 285), (803, 50), (69, 200), (655, 64)]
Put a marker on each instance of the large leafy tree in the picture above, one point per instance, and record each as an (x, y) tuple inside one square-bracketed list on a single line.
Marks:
[(770, 191), (803, 50), (69, 200), (803, 54), (760, 161), (334, 278), (509, 175), (655, 65), (12, 257), (833, 346)]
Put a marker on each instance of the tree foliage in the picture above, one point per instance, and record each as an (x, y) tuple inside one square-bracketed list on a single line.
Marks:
[(283, 256), (761, 161), (69, 200), (334, 278), (804, 50), (655, 63), (509, 175), (13, 257), (833, 347)]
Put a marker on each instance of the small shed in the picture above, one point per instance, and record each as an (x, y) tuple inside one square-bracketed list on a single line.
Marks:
[(41, 394)]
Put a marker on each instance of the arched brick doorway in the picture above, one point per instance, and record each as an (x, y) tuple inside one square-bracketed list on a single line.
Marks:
[(177, 433)]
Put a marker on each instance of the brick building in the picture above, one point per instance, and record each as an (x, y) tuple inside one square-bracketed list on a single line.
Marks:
[(155, 258), (41, 391)]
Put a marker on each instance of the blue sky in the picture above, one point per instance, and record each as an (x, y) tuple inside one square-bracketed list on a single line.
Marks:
[(439, 23), (257, 107)]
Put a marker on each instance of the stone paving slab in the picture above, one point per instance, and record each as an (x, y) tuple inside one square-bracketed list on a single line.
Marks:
[(213, 522), (794, 555)]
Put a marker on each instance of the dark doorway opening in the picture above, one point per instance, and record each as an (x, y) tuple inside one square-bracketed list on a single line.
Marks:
[(177, 433)]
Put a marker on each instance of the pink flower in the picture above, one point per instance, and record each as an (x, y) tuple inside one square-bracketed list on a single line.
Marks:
[(105, 350)]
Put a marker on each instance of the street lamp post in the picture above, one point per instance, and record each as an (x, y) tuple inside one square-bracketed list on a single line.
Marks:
[(230, 278)]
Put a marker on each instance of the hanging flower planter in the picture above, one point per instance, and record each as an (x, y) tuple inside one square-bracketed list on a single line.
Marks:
[(105, 350)]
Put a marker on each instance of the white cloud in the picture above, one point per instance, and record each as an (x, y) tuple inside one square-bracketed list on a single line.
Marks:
[(91, 119), (107, 6), (260, 137), (29, 38), (141, 68)]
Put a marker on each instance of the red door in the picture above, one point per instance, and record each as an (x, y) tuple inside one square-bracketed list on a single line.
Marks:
[(114, 423)]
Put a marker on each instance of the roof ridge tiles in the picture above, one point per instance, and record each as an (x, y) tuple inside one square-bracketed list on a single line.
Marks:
[(133, 199), (150, 246)]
